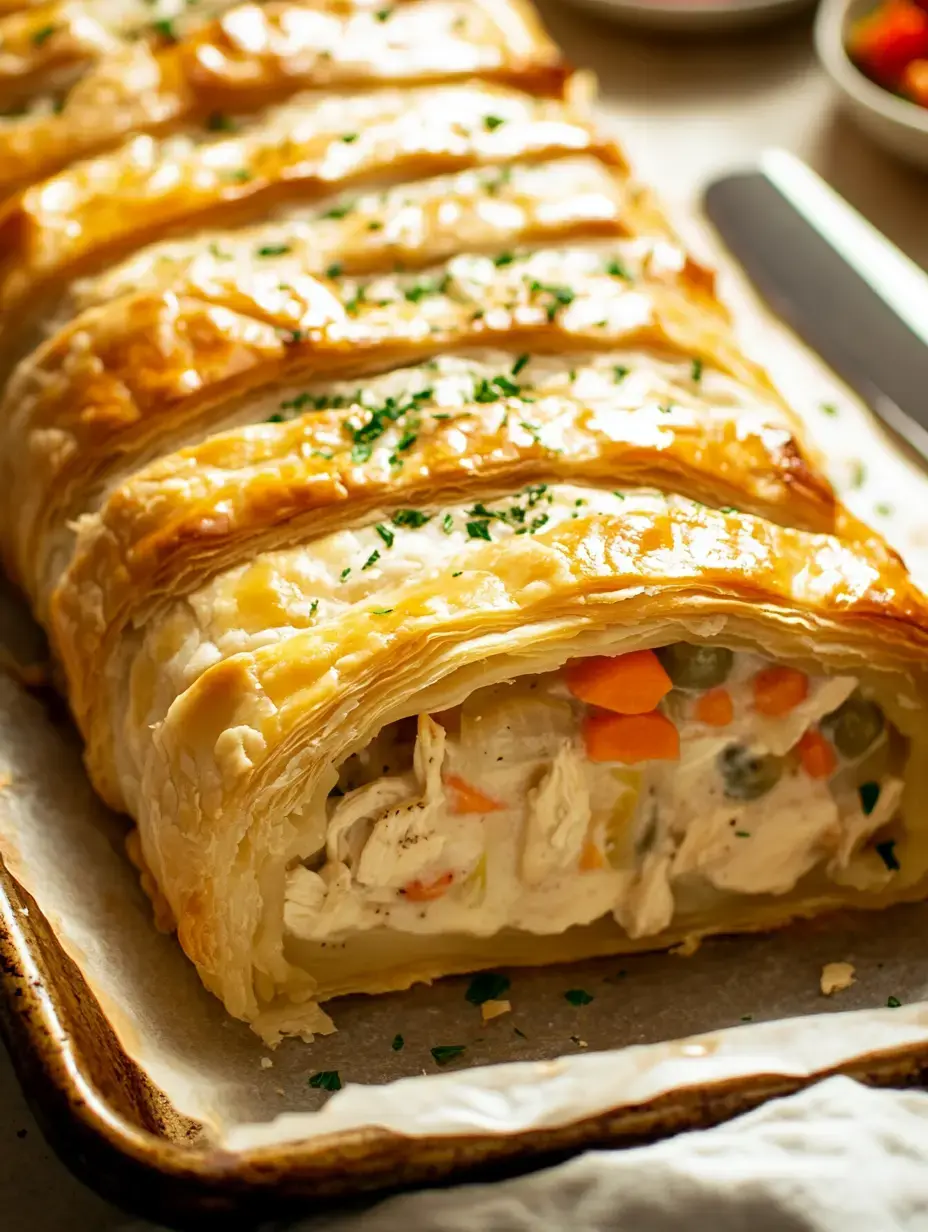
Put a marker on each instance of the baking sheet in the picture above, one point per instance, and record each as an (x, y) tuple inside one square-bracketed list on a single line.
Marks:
[(66, 850)]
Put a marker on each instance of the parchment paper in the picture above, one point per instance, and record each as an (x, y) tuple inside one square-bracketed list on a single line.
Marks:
[(67, 851)]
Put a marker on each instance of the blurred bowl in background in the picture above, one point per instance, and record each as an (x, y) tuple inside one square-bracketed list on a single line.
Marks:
[(695, 15), (896, 124)]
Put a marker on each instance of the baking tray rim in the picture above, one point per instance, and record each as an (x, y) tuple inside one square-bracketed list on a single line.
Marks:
[(124, 1143)]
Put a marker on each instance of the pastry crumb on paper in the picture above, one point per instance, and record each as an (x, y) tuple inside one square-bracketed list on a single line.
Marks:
[(836, 977), (687, 947), (266, 1063), (493, 1009)]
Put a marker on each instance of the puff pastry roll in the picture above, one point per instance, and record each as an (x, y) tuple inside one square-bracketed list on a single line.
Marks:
[(251, 56), (435, 582)]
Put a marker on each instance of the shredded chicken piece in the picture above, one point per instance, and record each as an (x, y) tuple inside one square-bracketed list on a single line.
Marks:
[(558, 817)]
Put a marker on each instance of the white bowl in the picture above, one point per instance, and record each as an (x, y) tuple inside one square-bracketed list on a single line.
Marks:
[(695, 15), (898, 125)]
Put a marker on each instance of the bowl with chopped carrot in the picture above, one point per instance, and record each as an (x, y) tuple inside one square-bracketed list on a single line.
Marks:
[(876, 53)]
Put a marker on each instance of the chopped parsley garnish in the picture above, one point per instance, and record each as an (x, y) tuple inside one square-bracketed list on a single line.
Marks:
[(858, 474), (742, 834), (492, 122), (828, 408), (385, 533), (326, 1080), (273, 250), (533, 430), (165, 27), (883, 509), (275, 418), (375, 225), (665, 408), (334, 270), (869, 794), (413, 518), (240, 176), (339, 211), (447, 523), (419, 290), (478, 530), (292, 337), (444, 1053), (371, 560), (217, 122), (504, 258), (620, 495), (215, 251), (696, 373), (301, 401), (893, 1003), (398, 1043), (353, 304), (344, 573), (458, 573), (620, 372), (44, 33), (487, 986), (314, 607), (560, 296), (615, 269), (578, 996), (727, 509), (381, 611), (383, 14), (887, 853), (520, 364)]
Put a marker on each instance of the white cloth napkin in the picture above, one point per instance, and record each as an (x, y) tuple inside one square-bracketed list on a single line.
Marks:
[(838, 1157)]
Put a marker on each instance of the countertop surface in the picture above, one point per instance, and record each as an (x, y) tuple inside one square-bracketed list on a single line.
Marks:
[(688, 109)]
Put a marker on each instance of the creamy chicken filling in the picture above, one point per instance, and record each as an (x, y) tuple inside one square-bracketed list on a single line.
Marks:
[(642, 785)]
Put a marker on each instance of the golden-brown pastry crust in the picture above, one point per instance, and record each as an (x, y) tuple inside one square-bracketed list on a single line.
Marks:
[(201, 510), (250, 57), (104, 393), (101, 206)]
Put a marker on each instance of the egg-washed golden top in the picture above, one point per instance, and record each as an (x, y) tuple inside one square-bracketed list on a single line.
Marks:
[(327, 267), (249, 56)]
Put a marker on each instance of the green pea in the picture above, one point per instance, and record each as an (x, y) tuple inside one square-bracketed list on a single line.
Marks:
[(854, 726), (696, 667), (747, 775)]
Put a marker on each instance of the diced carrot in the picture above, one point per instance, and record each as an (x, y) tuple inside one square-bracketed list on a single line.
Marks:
[(915, 82), (626, 684), (889, 38), (630, 738), (715, 708), (591, 858), (778, 690), (428, 891), (817, 756), (470, 799)]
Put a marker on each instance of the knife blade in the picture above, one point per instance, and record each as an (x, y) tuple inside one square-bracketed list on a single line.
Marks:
[(840, 285)]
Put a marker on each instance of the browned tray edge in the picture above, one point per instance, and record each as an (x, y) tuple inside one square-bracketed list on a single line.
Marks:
[(118, 1134)]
